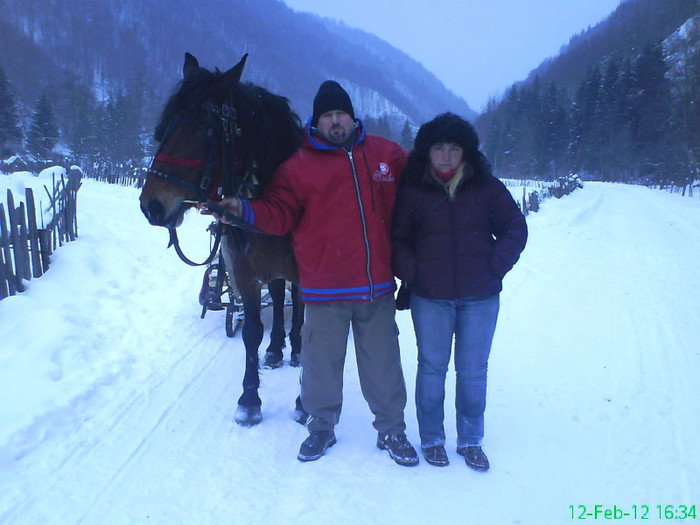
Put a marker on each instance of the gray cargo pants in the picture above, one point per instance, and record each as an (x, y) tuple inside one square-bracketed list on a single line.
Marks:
[(324, 344)]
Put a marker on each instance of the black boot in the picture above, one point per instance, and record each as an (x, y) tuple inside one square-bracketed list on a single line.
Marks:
[(436, 456), (316, 444), (399, 448), (474, 457)]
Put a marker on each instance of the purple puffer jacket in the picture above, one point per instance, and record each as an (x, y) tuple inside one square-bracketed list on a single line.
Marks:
[(460, 248)]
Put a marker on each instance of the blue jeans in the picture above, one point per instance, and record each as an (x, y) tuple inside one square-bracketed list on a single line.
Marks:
[(472, 322)]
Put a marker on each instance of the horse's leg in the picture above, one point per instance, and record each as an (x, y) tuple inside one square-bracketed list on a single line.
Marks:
[(273, 355), (297, 321), (248, 412), (300, 415)]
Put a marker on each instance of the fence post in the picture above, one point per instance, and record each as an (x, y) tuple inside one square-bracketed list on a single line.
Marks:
[(7, 281), (74, 183), (14, 240), (45, 248), (55, 229), (22, 247), (33, 237)]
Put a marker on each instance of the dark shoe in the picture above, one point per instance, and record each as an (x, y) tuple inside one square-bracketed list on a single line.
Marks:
[(436, 456), (474, 457), (315, 445), (399, 448)]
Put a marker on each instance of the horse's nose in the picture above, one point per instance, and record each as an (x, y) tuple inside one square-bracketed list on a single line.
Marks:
[(154, 212)]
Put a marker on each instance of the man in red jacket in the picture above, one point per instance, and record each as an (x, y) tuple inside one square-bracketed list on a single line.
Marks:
[(336, 196)]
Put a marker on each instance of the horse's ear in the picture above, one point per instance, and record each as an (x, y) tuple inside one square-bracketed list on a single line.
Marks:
[(233, 75), (191, 65)]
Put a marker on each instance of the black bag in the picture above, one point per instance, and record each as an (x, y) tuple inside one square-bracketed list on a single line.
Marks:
[(403, 298)]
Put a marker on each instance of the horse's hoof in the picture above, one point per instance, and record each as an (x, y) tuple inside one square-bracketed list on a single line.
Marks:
[(300, 416), (272, 360), (295, 360), (248, 416)]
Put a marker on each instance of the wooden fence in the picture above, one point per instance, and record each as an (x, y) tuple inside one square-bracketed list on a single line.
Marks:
[(112, 173), (532, 198), (25, 246)]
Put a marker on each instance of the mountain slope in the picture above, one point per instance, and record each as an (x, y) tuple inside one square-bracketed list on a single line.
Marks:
[(632, 26), (108, 44)]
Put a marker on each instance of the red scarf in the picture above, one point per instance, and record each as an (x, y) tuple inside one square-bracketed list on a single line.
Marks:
[(444, 176)]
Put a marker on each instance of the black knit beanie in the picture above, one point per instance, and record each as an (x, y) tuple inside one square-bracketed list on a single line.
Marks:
[(331, 97)]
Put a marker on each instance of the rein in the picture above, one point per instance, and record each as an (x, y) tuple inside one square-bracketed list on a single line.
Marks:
[(175, 242)]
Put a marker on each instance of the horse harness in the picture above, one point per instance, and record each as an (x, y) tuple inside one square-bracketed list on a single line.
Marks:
[(229, 185)]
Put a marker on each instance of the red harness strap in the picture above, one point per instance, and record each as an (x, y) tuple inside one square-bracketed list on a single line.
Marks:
[(195, 164), (177, 161)]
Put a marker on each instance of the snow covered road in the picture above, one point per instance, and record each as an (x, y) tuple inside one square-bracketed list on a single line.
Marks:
[(117, 400)]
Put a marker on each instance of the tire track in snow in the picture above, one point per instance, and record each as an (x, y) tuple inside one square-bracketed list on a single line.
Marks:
[(108, 445)]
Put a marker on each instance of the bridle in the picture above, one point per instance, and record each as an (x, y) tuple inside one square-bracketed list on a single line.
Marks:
[(218, 178)]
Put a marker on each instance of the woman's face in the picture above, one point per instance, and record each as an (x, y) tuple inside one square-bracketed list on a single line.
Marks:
[(445, 156)]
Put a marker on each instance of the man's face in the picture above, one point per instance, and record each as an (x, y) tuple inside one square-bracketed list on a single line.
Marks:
[(335, 126)]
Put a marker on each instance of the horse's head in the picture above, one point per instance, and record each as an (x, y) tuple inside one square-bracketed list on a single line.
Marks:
[(195, 126)]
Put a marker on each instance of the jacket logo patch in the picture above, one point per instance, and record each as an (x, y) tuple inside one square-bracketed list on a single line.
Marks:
[(383, 174)]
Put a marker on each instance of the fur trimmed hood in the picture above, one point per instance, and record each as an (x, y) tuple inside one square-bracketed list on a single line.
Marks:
[(451, 128)]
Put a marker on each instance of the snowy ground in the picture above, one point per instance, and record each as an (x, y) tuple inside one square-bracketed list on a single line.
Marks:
[(117, 400)]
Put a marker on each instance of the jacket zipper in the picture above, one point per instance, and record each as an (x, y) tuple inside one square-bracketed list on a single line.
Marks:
[(453, 230), (364, 222)]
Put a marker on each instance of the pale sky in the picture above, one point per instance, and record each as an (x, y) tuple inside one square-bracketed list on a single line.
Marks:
[(476, 48)]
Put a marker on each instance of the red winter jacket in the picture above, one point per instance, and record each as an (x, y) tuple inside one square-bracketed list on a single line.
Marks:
[(338, 207)]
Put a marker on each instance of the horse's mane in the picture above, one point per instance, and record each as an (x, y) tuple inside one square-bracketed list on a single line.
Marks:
[(188, 97), (270, 130)]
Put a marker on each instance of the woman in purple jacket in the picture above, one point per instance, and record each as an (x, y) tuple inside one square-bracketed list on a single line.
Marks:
[(456, 232)]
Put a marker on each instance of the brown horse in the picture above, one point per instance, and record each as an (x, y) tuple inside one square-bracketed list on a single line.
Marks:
[(218, 138)]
